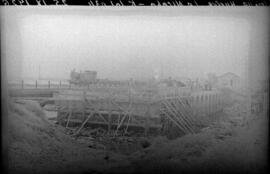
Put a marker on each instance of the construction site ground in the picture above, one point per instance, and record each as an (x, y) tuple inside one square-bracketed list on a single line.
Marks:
[(234, 142)]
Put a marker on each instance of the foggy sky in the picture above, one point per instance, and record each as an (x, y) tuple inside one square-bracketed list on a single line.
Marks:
[(130, 45)]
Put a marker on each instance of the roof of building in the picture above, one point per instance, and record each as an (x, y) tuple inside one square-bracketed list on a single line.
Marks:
[(229, 74), (170, 82)]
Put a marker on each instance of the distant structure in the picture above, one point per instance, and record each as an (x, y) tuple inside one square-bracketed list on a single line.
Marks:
[(172, 83), (83, 78), (229, 80)]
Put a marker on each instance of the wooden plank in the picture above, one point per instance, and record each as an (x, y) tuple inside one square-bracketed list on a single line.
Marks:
[(176, 123), (85, 121), (182, 120), (183, 117), (98, 113), (184, 114), (70, 113), (189, 112), (181, 111), (120, 124), (147, 113), (177, 115), (128, 123), (113, 124), (176, 118)]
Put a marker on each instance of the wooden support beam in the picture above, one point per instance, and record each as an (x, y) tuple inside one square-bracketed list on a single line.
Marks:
[(175, 118), (123, 109), (187, 116), (179, 117), (171, 109), (102, 117), (189, 112), (119, 125), (185, 108), (109, 122), (183, 114), (176, 123), (183, 117), (110, 114), (85, 121), (121, 122), (129, 117), (119, 118), (147, 114), (69, 116)]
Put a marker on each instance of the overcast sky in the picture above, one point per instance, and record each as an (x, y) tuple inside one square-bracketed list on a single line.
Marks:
[(129, 45)]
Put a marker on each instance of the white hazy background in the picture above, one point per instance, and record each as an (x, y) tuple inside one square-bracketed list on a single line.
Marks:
[(120, 44)]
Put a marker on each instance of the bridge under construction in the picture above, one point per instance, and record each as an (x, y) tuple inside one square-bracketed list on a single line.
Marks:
[(140, 108), (143, 111)]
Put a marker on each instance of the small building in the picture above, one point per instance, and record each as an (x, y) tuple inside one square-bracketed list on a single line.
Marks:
[(229, 80), (172, 83), (85, 77)]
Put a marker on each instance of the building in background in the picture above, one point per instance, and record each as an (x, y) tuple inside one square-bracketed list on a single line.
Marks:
[(83, 78), (229, 80)]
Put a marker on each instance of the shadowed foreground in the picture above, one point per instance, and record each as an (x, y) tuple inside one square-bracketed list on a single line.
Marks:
[(234, 144)]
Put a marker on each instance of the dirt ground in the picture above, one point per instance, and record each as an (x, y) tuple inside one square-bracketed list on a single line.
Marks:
[(38, 146), (237, 143), (228, 146)]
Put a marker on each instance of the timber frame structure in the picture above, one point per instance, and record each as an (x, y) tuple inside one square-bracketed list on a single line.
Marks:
[(139, 111)]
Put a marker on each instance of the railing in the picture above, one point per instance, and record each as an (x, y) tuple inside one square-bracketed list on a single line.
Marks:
[(60, 84), (39, 84)]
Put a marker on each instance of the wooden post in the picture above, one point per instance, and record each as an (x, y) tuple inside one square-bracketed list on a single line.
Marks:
[(85, 121), (60, 84), (84, 104), (49, 84), (129, 118), (109, 122), (119, 124), (69, 116), (126, 113), (109, 117), (22, 84), (146, 128), (36, 83)]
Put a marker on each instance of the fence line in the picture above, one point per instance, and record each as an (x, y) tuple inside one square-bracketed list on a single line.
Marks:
[(35, 84), (61, 84)]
